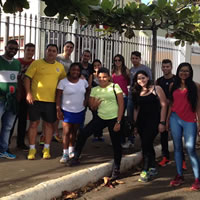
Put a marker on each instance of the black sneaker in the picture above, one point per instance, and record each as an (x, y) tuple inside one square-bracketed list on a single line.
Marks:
[(115, 174), (23, 147), (73, 162)]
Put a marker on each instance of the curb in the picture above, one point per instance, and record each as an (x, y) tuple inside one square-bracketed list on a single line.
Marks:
[(53, 188)]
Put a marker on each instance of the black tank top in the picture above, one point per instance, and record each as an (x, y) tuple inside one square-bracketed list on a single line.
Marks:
[(149, 110)]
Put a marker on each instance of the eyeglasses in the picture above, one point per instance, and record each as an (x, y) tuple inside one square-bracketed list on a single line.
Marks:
[(117, 60), (10, 48)]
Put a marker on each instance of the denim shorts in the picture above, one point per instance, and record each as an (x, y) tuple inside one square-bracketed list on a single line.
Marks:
[(73, 118)]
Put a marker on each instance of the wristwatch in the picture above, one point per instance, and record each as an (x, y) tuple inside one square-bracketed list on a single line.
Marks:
[(162, 122), (118, 122)]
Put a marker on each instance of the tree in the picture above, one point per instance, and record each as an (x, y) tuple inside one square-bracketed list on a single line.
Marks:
[(180, 18)]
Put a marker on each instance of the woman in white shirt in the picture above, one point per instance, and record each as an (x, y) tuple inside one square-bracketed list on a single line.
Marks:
[(71, 98)]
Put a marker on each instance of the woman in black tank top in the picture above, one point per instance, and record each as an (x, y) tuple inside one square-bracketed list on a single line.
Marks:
[(149, 114)]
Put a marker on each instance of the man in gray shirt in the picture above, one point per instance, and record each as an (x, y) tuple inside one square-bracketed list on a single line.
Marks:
[(137, 66), (64, 58)]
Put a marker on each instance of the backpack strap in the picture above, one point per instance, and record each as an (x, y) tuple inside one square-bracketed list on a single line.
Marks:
[(115, 92)]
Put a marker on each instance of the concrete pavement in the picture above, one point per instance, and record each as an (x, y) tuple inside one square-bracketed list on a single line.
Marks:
[(45, 179)]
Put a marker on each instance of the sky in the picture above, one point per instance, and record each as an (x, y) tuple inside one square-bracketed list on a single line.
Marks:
[(145, 1)]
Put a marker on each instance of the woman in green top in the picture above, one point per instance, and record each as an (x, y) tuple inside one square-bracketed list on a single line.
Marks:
[(107, 99)]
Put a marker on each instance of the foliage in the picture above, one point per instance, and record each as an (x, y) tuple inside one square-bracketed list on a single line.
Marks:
[(180, 18), (13, 6)]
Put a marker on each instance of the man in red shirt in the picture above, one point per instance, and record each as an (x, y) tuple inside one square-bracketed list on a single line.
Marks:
[(29, 51)]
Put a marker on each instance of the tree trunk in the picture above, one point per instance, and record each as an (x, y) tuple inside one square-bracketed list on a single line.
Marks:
[(154, 52)]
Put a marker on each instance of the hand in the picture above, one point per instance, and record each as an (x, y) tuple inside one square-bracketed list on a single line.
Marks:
[(96, 103), (29, 98), (198, 129), (116, 127), (59, 114), (161, 128)]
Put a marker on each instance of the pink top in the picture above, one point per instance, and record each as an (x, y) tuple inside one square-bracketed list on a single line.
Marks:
[(122, 82), (182, 107)]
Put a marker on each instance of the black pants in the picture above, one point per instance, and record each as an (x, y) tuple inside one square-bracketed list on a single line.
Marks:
[(164, 144), (95, 125), (98, 133), (22, 121), (147, 136)]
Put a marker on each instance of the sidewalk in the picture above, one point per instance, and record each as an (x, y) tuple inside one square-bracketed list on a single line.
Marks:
[(21, 174)]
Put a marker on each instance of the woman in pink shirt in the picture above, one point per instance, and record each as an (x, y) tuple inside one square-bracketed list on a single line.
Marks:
[(120, 75), (184, 112)]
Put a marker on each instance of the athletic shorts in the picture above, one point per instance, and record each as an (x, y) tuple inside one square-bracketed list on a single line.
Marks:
[(44, 110), (73, 118)]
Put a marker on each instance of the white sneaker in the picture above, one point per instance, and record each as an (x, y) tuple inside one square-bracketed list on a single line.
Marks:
[(127, 145), (64, 158), (71, 154)]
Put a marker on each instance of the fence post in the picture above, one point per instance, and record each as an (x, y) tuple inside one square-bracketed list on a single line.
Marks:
[(188, 52), (6, 36)]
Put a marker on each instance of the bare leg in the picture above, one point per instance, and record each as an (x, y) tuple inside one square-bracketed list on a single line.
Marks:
[(66, 134), (48, 128), (75, 128), (32, 131)]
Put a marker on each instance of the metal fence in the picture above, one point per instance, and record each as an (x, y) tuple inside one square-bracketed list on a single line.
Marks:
[(42, 30)]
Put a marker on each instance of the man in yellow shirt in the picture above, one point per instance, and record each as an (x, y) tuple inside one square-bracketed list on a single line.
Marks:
[(41, 80)]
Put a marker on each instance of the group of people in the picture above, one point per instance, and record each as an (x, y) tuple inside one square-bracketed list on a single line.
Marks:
[(53, 88)]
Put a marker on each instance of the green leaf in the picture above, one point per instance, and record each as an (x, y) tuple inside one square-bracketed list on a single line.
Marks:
[(107, 4), (177, 42), (50, 11), (161, 3)]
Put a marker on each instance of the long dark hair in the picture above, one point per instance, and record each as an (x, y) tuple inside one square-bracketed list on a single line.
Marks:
[(123, 69), (190, 85), (137, 88), (96, 60)]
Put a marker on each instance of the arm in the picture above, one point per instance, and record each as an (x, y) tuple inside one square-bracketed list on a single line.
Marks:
[(198, 107), (58, 103), (163, 112), (87, 94), (120, 101), (94, 103), (90, 81), (27, 85)]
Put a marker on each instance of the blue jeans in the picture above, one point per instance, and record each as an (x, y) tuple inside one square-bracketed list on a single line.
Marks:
[(180, 127), (7, 120)]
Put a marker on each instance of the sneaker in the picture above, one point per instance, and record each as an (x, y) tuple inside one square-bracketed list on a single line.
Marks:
[(73, 162), (144, 176), (115, 174), (178, 180), (64, 158), (31, 154), (57, 138), (7, 155), (41, 140), (71, 154), (23, 147), (46, 153), (184, 167), (127, 145), (163, 162), (196, 185), (153, 172)]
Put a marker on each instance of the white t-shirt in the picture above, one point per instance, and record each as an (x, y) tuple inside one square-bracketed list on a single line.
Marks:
[(73, 95)]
